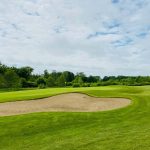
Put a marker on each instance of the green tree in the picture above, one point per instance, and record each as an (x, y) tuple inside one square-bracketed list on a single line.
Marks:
[(12, 79), (78, 79), (3, 68), (50, 82), (41, 81), (61, 81), (46, 74), (82, 76), (55, 75), (2, 81), (69, 76), (25, 72), (93, 79)]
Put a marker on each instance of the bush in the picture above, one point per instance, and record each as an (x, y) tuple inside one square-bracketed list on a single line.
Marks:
[(41, 86), (68, 83), (98, 84), (86, 85), (27, 84), (41, 81), (31, 84), (76, 85)]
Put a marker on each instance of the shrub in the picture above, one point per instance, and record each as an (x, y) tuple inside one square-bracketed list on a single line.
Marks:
[(86, 85), (41, 86), (41, 81), (76, 85), (98, 84), (27, 84), (68, 83)]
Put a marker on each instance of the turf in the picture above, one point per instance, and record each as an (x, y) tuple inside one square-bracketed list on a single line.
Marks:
[(42, 93), (122, 129)]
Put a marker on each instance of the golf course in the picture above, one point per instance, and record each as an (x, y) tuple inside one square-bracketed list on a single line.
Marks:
[(74, 75), (124, 128)]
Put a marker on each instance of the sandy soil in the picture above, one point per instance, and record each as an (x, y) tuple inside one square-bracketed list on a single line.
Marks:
[(72, 102)]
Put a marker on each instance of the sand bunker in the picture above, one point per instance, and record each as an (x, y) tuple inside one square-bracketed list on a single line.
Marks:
[(72, 102)]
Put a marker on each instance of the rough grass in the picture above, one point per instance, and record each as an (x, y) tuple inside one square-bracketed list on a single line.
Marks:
[(122, 129)]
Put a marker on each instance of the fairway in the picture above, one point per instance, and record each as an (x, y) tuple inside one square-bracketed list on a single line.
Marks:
[(123, 129)]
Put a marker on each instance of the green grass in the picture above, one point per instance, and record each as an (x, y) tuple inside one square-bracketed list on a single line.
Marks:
[(42, 93), (122, 129)]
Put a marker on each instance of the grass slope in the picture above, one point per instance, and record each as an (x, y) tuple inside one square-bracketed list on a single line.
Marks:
[(121, 129), (42, 93)]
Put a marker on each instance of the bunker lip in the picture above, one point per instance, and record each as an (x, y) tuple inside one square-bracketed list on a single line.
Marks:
[(71, 102)]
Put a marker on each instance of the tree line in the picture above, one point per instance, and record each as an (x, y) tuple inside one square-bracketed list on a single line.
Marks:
[(23, 77)]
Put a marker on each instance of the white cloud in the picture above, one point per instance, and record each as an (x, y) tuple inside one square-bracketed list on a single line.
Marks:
[(53, 34)]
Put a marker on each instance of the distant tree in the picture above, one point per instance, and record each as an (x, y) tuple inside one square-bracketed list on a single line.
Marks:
[(119, 78), (25, 72), (106, 78), (92, 79), (69, 76), (76, 85), (81, 74), (55, 75), (41, 82), (12, 79), (78, 80), (50, 82), (61, 81), (34, 77), (23, 82), (46, 74), (2, 81), (3, 68), (27, 84)]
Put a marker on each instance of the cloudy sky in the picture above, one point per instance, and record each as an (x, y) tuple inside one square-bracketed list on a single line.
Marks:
[(99, 37)]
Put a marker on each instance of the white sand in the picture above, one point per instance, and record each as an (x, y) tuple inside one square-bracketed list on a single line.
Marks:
[(72, 102)]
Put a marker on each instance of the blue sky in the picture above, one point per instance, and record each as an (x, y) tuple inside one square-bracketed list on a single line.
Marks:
[(110, 37)]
